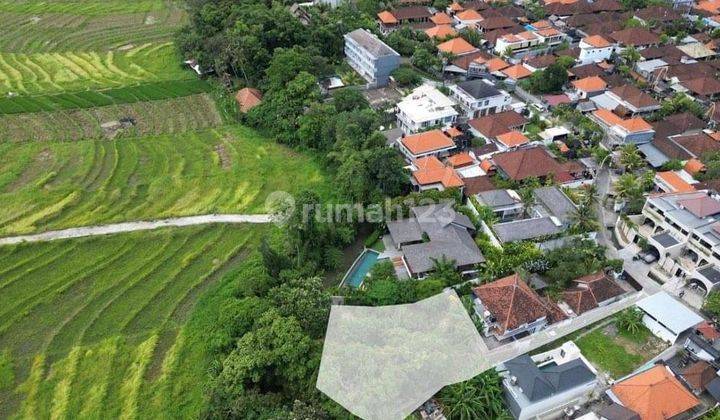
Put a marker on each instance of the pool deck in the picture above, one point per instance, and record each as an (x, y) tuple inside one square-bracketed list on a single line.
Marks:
[(395, 256)]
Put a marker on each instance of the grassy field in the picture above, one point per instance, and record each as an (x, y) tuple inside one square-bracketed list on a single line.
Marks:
[(227, 170), (98, 327), (150, 91), (34, 73), (166, 116)]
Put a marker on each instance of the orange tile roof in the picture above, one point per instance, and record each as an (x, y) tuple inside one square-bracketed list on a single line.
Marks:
[(541, 24), (496, 64), (387, 18), (694, 166), (468, 15), (708, 330), (432, 171), (548, 32), (454, 132), (517, 72), (441, 31), (590, 84), (712, 6), (674, 181), (654, 394), (715, 136), (461, 159), (512, 138), (632, 125), (486, 165), (596, 41), (456, 46), (248, 98), (426, 142), (562, 146), (456, 7), (441, 18)]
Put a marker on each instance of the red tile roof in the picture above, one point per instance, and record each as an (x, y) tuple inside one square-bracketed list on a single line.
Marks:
[(456, 46), (248, 98), (708, 331), (441, 31), (635, 37), (461, 159), (517, 72), (493, 125), (590, 291), (699, 374), (387, 18), (525, 163), (511, 301), (596, 41), (512, 138), (432, 171), (590, 84), (702, 206), (441, 18)]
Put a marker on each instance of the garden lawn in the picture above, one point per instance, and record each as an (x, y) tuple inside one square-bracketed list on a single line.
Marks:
[(108, 327), (54, 185), (81, 7)]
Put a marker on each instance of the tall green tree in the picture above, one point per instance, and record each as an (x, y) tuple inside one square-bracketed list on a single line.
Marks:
[(478, 398)]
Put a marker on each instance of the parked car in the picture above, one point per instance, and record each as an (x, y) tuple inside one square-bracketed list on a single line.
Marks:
[(648, 257)]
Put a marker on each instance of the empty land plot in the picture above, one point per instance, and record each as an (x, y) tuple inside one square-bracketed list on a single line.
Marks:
[(70, 71), (82, 7), (48, 32), (142, 118), (53, 185), (151, 91), (95, 327)]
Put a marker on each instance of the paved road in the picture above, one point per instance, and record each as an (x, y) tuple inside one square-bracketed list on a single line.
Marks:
[(136, 226)]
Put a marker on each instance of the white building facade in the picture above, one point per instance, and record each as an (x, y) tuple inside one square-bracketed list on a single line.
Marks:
[(425, 107)]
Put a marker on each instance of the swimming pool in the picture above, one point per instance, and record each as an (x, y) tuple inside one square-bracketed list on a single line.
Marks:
[(360, 268)]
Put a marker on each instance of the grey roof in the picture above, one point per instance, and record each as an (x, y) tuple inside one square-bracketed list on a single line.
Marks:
[(674, 315), (370, 43), (557, 203), (713, 388), (666, 239), (478, 89), (705, 345), (496, 198), (586, 106), (711, 273), (538, 384), (447, 230), (524, 229), (655, 157), (618, 412)]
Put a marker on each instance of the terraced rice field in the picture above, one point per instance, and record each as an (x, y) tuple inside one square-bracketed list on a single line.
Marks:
[(149, 118), (82, 7), (45, 73), (58, 32), (151, 91), (51, 185), (106, 327)]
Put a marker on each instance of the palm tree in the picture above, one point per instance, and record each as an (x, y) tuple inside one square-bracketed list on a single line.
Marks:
[(583, 218), (628, 187), (590, 195), (528, 198), (479, 398), (630, 158), (631, 55), (630, 320)]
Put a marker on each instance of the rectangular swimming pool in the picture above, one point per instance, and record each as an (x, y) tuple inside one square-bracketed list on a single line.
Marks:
[(360, 268)]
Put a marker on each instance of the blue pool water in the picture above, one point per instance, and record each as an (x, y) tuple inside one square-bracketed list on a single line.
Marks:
[(529, 27), (359, 270)]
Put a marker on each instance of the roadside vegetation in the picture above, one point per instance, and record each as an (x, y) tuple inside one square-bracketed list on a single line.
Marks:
[(52, 185), (105, 326)]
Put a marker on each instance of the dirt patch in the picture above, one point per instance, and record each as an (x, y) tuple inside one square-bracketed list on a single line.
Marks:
[(650, 346), (40, 164), (224, 156)]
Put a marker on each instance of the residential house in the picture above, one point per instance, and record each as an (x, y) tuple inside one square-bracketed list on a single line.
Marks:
[(483, 66), (425, 107), (429, 173), (539, 62), (530, 162), (370, 57), (509, 308), (704, 342), (686, 146), (479, 97), (706, 88), (697, 51), (515, 43), (633, 130), (667, 318), (511, 140), (514, 74), (432, 233), (417, 17), (441, 18), (627, 99), (505, 204), (441, 32), (697, 376), (592, 291), (594, 49), (492, 125), (494, 23), (654, 394), (656, 15), (457, 47), (674, 181), (248, 98), (426, 143), (544, 385), (589, 86), (683, 229), (467, 18), (635, 37)]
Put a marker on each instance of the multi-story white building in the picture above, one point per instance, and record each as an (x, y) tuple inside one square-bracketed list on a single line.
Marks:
[(523, 41), (425, 107), (479, 97), (594, 49), (683, 230), (370, 57)]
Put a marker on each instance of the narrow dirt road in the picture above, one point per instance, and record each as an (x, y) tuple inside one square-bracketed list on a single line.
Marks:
[(79, 232)]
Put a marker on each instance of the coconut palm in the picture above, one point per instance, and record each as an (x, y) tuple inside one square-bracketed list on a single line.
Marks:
[(630, 320), (628, 187), (584, 218), (630, 158), (479, 398)]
